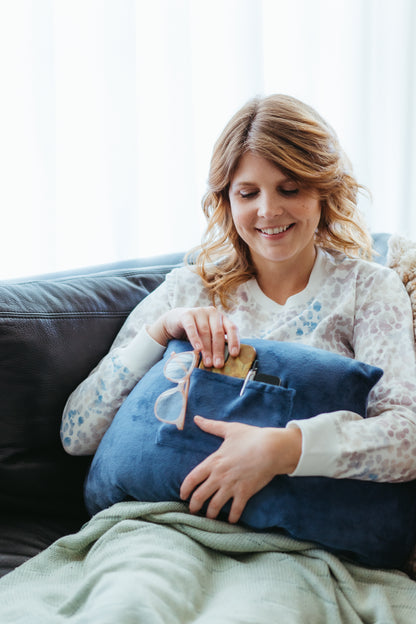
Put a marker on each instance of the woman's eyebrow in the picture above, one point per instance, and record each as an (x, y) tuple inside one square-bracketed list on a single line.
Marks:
[(243, 183), (239, 183)]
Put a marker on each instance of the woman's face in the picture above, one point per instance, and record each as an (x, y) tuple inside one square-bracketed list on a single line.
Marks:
[(272, 214)]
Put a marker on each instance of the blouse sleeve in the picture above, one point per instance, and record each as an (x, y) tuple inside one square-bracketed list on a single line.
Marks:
[(381, 447), (92, 406)]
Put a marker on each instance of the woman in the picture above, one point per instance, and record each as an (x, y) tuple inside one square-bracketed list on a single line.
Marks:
[(285, 257)]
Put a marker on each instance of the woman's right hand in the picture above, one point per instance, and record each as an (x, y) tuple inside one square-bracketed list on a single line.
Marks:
[(206, 328)]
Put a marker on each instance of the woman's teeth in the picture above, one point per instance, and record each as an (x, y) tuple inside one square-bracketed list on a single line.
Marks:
[(276, 230)]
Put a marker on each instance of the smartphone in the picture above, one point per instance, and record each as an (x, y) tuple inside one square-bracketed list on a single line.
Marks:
[(238, 366)]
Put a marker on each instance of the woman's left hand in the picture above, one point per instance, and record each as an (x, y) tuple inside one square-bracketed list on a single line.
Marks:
[(246, 461)]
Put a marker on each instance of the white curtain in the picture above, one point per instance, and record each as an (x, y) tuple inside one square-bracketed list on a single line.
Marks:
[(109, 110)]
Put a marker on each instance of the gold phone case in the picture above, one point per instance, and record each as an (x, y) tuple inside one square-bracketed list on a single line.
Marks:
[(235, 366)]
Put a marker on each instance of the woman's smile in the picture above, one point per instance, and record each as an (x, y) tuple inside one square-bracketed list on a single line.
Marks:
[(273, 231)]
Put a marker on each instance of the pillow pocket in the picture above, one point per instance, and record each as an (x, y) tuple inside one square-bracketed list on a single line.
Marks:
[(216, 396)]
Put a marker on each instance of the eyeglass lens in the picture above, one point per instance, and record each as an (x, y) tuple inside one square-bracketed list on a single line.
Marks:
[(169, 404), (178, 366)]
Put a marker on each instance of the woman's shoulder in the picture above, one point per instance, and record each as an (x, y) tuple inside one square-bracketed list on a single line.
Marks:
[(186, 287), (366, 274), (338, 260), (184, 274)]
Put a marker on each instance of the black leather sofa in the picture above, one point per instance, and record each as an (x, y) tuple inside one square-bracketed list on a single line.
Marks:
[(53, 330)]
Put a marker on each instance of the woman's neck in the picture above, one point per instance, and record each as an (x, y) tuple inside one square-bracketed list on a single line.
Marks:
[(281, 280)]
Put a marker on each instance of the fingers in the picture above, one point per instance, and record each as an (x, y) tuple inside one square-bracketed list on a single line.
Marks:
[(212, 333), (233, 339), (202, 484), (200, 488), (207, 330), (215, 427), (220, 499), (197, 476), (202, 471), (237, 509)]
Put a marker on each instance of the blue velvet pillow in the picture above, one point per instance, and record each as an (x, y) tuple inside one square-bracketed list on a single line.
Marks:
[(145, 459)]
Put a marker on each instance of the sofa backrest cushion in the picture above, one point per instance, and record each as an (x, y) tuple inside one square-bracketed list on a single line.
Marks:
[(52, 333)]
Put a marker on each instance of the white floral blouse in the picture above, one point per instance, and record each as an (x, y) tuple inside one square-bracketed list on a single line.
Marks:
[(352, 307)]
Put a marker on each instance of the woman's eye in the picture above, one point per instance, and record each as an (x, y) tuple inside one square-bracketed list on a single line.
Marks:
[(289, 192), (248, 195)]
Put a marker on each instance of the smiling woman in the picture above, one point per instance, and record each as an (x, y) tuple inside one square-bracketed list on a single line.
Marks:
[(277, 164), (280, 262)]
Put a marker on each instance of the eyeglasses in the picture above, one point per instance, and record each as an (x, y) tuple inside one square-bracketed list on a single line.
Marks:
[(170, 406)]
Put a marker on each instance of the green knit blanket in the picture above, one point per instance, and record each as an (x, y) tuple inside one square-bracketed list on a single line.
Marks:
[(154, 563)]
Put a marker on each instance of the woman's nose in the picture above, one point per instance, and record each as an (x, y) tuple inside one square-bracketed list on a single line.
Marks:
[(269, 206)]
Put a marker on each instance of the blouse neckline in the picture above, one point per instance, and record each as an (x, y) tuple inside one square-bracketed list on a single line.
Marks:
[(314, 282)]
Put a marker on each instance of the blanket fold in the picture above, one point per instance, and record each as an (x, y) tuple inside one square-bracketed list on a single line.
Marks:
[(156, 563)]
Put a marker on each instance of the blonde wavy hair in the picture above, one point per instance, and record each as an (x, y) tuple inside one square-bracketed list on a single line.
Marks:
[(294, 137)]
